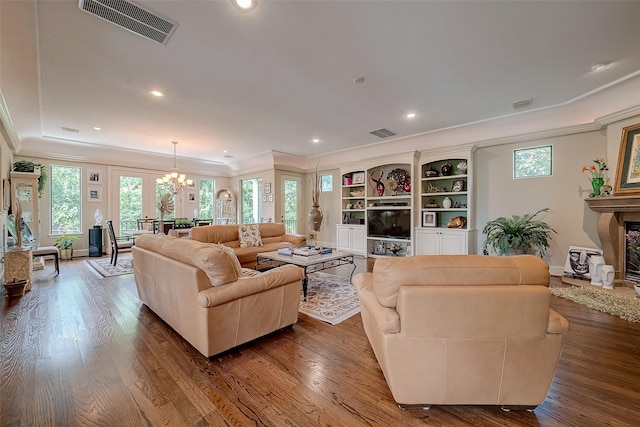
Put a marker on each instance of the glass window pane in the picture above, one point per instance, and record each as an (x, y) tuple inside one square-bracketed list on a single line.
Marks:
[(250, 204), (326, 183), (532, 162), (66, 200), (130, 202), (207, 191), (291, 206)]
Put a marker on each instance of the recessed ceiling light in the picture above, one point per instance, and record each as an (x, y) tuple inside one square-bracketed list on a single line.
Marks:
[(245, 4), (96, 128), (156, 93), (600, 66), (315, 140), (411, 115)]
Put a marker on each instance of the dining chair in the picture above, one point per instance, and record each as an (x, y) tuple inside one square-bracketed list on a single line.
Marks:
[(117, 243)]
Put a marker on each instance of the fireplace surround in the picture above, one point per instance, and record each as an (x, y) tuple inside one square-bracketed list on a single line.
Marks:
[(615, 212)]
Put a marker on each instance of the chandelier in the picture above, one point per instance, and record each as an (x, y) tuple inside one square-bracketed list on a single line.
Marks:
[(173, 180)]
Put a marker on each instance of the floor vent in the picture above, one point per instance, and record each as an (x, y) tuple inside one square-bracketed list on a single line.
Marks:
[(383, 133), (132, 17)]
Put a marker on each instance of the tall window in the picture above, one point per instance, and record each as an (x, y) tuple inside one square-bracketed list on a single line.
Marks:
[(531, 162), (251, 207), (66, 200), (207, 190), (291, 205), (130, 202)]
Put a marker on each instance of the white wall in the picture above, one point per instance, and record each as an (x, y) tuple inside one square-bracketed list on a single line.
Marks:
[(499, 194)]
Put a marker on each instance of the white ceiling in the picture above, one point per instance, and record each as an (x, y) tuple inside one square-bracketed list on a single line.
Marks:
[(276, 77)]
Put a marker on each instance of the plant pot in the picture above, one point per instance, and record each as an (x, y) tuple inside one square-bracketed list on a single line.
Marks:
[(15, 288), (66, 254)]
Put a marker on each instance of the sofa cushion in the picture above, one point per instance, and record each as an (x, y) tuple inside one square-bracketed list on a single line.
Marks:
[(212, 260), (232, 257), (249, 235), (466, 270), (222, 233)]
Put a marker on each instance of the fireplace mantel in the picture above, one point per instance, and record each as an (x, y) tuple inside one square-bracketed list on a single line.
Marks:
[(614, 212), (614, 203)]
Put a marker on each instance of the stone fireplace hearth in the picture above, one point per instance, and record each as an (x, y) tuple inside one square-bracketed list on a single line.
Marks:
[(615, 213)]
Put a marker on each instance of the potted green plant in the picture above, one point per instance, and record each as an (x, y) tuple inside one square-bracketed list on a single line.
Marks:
[(184, 223), (64, 244), (518, 235), (29, 166)]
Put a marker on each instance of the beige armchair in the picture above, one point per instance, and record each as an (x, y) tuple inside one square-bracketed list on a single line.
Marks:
[(462, 329)]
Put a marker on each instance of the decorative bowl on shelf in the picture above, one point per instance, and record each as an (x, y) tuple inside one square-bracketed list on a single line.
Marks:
[(357, 193)]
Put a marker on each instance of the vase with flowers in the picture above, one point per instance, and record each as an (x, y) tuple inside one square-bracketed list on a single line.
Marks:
[(597, 175)]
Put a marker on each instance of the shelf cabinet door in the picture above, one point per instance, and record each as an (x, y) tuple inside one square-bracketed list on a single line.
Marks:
[(359, 240), (351, 238), (441, 242), (343, 237)]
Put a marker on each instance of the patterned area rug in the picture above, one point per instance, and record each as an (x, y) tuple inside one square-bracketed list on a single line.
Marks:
[(330, 298), (627, 308), (102, 267)]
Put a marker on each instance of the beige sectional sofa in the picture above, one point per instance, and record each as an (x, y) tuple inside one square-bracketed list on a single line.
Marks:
[(203, 293), (462, 329), (273, 237)]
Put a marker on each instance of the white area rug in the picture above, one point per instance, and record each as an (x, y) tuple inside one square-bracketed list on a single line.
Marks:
[(606, 301), (330, 298), (102, 267)]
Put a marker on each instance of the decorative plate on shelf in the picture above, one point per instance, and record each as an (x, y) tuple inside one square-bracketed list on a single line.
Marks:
[(399, 180)]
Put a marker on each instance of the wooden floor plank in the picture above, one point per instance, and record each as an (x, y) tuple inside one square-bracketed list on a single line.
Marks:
[(81, 350)]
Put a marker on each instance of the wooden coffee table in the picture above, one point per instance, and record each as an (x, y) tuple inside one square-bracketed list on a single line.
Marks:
[(308, 264)]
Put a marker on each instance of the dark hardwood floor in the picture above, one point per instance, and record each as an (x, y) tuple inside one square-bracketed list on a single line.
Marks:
[(79, 350)]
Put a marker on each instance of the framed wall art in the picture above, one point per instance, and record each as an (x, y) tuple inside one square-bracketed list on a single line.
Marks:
[(93, 177), (94, 194), (457, 186), (429, 219), (628, 173)]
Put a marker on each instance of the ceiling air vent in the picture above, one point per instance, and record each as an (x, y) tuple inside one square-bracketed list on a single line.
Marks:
[(522, 104), (383, 133), (132, 17), (68, 129)]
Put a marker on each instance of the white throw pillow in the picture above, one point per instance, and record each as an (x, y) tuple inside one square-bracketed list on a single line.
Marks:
[(249, 235)]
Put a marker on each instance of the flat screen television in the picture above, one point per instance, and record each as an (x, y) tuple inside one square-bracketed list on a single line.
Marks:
[(394, 224)]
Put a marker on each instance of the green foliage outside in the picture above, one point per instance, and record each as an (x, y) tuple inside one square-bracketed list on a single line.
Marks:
[(66, 199), (249, 200), (207, 191), (130, 202), (291, 206), (532, 162)]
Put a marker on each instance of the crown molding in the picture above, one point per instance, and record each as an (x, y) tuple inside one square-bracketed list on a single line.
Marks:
[(6, 125)]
